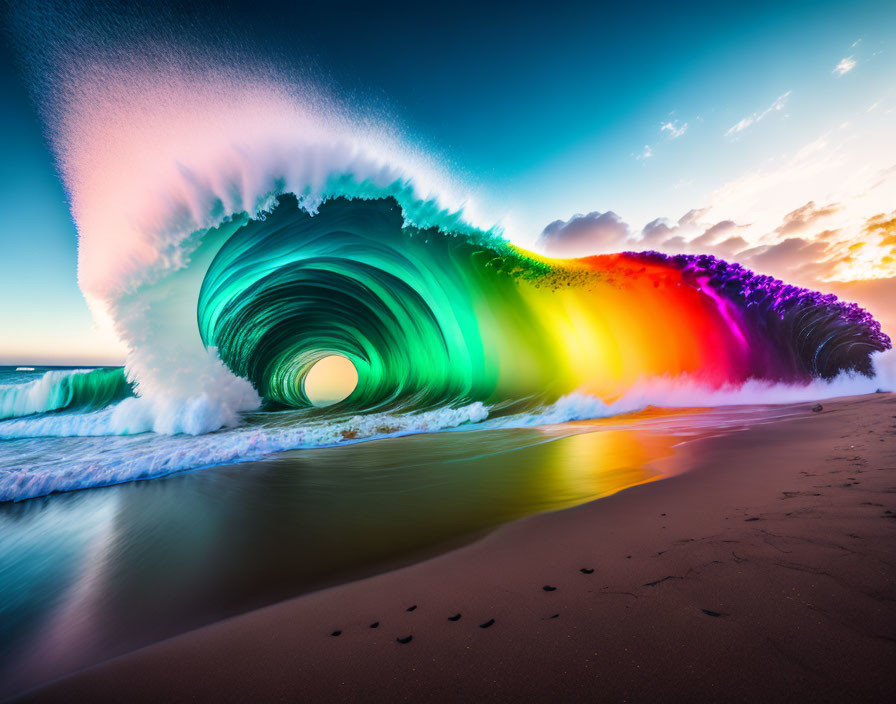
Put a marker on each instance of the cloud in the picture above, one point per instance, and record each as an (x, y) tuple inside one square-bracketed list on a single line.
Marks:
[(675, 245), (661, 231), (805, 216), (674, 129), (712, 234), (797, 251), (885, 226), (585, 234), (845, 66), (785, 255), (859, 252), (884, 175), (776, 106), (657, 231), (692, 216), (713, 240), (730, 247)]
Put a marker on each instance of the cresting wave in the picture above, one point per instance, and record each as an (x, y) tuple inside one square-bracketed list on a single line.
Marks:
[(235, 227), (87, 389), (433, 319), (447, 329), (59, 451)]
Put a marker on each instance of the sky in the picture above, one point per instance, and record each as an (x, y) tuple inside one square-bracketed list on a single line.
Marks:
[(761, 132)]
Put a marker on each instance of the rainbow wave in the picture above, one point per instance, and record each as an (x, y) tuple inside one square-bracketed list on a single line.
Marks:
[(236, 226), (446, 329), (430, 317), (433, 318)]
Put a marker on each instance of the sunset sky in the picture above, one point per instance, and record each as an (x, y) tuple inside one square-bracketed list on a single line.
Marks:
[(763, 133)]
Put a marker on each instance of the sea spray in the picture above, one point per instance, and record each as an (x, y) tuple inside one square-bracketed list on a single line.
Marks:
[(65, 451), (235, 225)]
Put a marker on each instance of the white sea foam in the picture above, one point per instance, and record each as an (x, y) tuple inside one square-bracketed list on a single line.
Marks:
[(679, 392), (683, 392), (59, 452), (155, 150), (29, 467)]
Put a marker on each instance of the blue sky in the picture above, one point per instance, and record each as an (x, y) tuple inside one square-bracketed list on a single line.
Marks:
[(541, 114), (43, 316)]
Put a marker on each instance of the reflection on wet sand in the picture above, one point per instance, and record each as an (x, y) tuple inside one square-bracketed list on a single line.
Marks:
[(104, 571)]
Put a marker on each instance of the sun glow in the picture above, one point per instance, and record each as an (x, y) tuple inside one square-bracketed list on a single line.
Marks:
[(330, 380)]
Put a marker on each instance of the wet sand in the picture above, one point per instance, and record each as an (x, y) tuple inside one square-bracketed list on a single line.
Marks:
[(767, 573), (196, 548)]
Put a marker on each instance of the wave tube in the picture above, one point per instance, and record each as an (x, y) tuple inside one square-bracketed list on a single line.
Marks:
[(430, 317), (236, 224)]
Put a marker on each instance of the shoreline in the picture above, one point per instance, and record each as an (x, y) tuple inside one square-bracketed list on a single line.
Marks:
[(194, 549), (759, 554)]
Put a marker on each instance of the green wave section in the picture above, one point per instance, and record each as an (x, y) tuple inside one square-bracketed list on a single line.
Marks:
[(65, 390), (407, 306)]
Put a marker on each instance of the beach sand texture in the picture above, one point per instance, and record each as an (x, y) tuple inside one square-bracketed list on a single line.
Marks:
[(767, 573)]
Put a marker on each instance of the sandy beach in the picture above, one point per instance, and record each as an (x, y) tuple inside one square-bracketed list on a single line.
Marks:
[(765, 573), (467, 352)]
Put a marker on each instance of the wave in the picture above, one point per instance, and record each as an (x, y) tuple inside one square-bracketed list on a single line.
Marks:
[(235, 227), (432, 318), (83, 389), (65, 456), (91, 462)]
